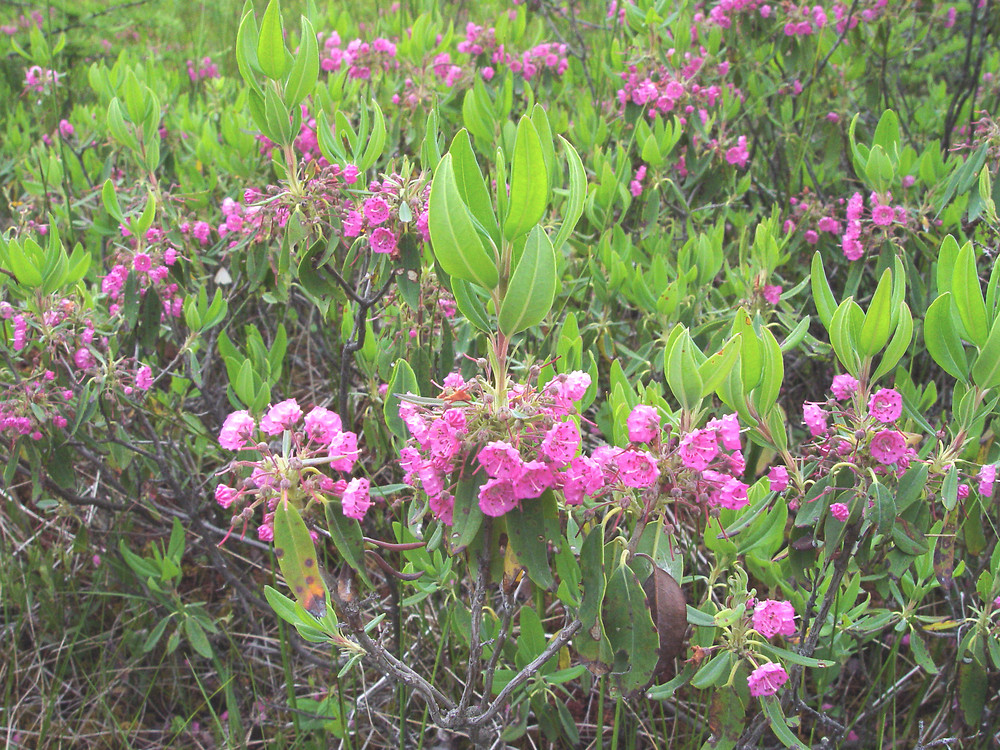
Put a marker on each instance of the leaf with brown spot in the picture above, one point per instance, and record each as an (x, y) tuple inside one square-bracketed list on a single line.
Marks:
[(669, 611), (726, 717), (296, 555)]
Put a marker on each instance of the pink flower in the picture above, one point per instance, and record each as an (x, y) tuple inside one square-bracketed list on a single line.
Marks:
[(840, 511), (772, 293), (767, 679), (496, 497), (376, 210), (561, 442), (144, 379), (343, 451), (356, 500), (280, 417), (236, 430), (698, 448), (353, 224), (382, 240), (643, 424), (350, 174), (501, 460), (583, 477), (637, 469), (772, 617), (843, 386), (778, 477), (728, 430), (883, 216), (888, 446), (732, 494), (738, 154), (225, 495), (814, 417), (987, 476), (886, 405), (65, 128), (83, 358), (322, 425), (142, 262), (536, 477)]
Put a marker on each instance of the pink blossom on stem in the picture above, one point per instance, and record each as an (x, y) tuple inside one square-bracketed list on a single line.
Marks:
[(840, 511), (772, 617), (844, 386), (778, 477), (814, 417), (643, 424), (888, 446), (322, 425), (886, 405), (236, 430), (987, 476), (767, 679), (356, 500), (280, 417)]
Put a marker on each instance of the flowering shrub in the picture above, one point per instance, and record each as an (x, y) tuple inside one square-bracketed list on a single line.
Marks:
[(653, 356)]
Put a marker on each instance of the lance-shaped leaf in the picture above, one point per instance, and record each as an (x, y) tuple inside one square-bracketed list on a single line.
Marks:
[(297, 558), (347, 536), (471, 185), (682, 372), (630, 629), (875, 330), (271, 54), (403, 381), (942, 339), (529, 182), (529, 538), (772, 372), (968, 296), (716, 369), (467, 517), (305, 70), (532, 286), (986, 370), (572, 209), (826, 303), (457, 245), (898, 344)]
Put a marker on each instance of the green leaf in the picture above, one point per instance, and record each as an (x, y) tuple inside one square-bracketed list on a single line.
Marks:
[(682, 372), (986, 370), (844, 331), (942, 339), (470, 305), (110, 199), (529, 182), (772, 373), (714, 672), (791, 657), (197, 638), (402, 381), (882, 514), (529, 537), (246, 50), (457, 246), (348, 539), (630, 629), (271, 54), (467, 517), (572, 209), (714, 370), (305, 70), (297, 558), (779, 724), (471, 185), (968, 296), (532, 286), (376, 141), (898, 344), (875, 330), (826, 303)]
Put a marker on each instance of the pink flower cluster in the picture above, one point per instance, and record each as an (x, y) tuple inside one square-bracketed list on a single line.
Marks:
[(40, 80), (378, 216), (24, 22), (361, 58), (468, 431), (316, 439), (149, 263), (205, 69), (882, 215), (544, 57)]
